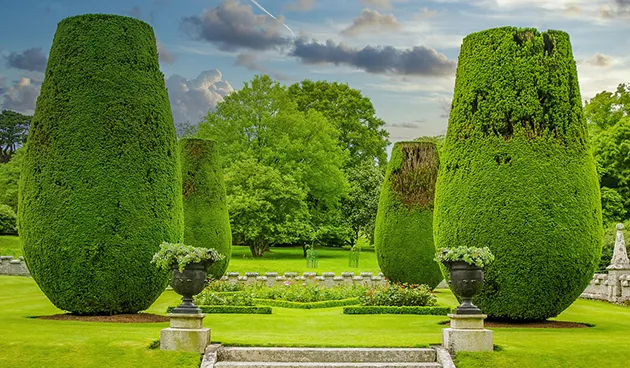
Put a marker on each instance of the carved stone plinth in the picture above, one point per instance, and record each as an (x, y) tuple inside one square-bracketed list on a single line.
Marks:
[(467, 334), (186, 333)]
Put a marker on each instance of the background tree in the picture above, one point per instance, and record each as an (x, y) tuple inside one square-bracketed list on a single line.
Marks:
[(607, 108), (361, 132), (10, 178), (261, 124), (361, 204), (13, 131)]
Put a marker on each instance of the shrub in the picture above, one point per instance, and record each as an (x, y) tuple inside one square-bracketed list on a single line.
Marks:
[(434, 311), (311, 305), (399, 295), (208, 297), (206, 220), (403, 235), (229, 309), (101, 183), (180, 255), (224, 286), (8, 220), (517, 175), (295, 292)]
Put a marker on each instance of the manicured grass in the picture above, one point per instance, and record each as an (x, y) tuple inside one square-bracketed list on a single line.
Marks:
[(292, 260), (277, 260), (26, 342), (10, 246)]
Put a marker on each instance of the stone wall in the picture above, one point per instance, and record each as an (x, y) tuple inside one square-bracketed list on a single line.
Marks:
[(14, 267), (327, 279), (613, 286)]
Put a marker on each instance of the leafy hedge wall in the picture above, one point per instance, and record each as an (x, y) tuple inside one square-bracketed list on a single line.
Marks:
[(101, 182), (206, 219), (403, 234), (517, 174)]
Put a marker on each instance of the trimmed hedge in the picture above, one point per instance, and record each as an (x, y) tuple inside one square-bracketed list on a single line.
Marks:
[(229, 309), (434, 311), (206, 220), (517, 173), (101, 184), (403, 234), (312, 305)]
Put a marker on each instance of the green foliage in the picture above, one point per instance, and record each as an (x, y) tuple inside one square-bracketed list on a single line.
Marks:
[(101, 183), (433, 310), (480, 257), (206, 220), (613, 209), (308, 305), (13, 132), (8, 220), (516, 172), (10, 178), (207, 297), (403, 236), (229, 309), (398, 295), (283, 167), (361, 131), (611, 151), (224, 286), (607, 108), (295, 292), (361, 204), (171, 256)]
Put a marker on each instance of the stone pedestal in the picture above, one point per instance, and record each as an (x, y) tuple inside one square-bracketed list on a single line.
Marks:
[(467, 334), (186, 333)]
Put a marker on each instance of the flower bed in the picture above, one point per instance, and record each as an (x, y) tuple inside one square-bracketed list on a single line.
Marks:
[(230, 309), (312, 305)]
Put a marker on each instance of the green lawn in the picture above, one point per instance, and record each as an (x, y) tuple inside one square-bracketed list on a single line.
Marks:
[(277, 260), (27, 342)]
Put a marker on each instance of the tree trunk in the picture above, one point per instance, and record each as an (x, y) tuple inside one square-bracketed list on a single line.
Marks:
[(258, 248)]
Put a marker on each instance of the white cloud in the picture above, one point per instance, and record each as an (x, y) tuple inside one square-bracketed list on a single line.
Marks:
[(20, 96), (192, 99)]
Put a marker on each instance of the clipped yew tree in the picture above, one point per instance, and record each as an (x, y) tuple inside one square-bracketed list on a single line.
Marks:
[(206, 219), (517, 174), (403, 233), (101, 182)]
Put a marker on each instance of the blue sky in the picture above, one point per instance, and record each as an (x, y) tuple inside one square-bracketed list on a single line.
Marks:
[(400, 53)]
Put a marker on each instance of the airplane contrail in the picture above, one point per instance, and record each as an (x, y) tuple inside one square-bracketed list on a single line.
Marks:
[(271, 15)]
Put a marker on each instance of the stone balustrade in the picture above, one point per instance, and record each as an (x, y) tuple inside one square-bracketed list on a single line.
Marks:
[(13, 267), (327, 279)]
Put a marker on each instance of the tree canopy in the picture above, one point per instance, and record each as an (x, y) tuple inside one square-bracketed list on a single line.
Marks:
[(13, 131), (268, 145)]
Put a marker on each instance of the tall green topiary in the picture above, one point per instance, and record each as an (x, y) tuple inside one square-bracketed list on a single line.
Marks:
[(517, 175), (206, 219), (403, 234), (101, 182)]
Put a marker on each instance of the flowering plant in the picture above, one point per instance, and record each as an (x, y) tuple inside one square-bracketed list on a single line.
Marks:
[(179, 255), (479, 257)]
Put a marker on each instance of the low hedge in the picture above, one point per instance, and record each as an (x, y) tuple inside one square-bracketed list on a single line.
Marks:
[(230, 309), (312, 305), (434, 311)]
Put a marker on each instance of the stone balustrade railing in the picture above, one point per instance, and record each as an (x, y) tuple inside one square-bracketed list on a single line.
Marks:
[(13, 267), (327, 279)]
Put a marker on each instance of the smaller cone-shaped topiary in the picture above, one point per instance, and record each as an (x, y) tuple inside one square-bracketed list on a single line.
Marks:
[(206, 219), (403, 235)]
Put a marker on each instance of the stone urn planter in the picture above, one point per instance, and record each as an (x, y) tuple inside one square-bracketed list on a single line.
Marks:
[(188, 283), (466, 281), (465, 266)]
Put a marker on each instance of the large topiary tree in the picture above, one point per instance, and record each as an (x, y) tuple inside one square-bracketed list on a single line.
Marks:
[(517, 174), (101, 182), (403, 234), (206, 220)]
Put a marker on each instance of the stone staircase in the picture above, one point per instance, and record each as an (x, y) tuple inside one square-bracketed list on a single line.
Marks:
[(277, 357)]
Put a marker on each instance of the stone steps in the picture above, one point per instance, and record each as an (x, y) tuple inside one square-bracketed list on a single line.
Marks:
[(276, 357), (325, 365)]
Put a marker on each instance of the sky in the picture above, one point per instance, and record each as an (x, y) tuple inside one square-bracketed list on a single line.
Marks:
[(402, 54)]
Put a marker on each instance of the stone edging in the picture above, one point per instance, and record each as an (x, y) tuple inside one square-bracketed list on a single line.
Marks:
[(13, 267), (327, 279)]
